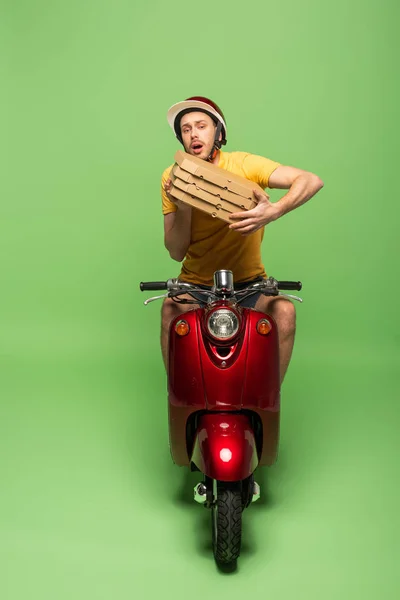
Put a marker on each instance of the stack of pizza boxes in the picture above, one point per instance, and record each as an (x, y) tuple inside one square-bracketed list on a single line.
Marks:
[(209, 188)]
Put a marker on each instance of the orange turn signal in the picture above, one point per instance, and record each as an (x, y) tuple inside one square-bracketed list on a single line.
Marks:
[(182, 328), (264, 327)]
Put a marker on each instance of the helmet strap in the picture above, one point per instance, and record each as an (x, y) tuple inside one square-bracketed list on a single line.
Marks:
[(217, 142)]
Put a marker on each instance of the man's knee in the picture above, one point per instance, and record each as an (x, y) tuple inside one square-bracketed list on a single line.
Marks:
[(284, 313), (168, 312)]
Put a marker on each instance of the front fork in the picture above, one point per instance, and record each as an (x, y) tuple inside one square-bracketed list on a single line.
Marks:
[(205, 492)]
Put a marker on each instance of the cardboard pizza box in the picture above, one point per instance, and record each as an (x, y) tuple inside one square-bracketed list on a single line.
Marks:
[(228, 202), (185, 177), (215, 211), (214, 174)]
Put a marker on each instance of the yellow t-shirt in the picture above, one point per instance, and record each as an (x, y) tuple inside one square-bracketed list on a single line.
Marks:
[(213, 245)]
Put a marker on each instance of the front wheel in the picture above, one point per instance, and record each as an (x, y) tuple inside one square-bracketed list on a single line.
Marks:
[(226, 514)]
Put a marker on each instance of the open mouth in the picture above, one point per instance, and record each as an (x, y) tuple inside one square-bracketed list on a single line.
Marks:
[(197, 148)]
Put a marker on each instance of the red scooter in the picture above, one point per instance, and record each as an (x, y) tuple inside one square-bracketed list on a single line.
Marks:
[(223, 396)]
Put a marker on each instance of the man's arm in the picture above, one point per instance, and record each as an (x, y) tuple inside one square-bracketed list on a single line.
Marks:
[(302, 186), (177, 228)]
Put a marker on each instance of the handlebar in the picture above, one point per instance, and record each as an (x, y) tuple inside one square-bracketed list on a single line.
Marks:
[(149, 286), (175, 288), (290, 285)]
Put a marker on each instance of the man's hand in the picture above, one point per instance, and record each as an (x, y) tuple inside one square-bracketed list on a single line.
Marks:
[(249, 221), (177, 226), (167, 189), (178, 203)]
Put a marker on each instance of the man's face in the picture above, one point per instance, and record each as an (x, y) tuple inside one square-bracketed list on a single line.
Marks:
[(198, 131)]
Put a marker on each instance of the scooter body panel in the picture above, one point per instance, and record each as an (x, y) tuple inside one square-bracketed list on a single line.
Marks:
[(225, 447), (202, 380), (185, 385)]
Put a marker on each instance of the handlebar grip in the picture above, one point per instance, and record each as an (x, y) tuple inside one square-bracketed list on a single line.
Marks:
[(147, 286), (290, 285)]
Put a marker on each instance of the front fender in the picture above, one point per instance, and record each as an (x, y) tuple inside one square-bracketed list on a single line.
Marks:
[(225, 447)]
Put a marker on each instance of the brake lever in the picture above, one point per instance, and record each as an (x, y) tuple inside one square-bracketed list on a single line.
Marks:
[(146, 302), (176, 293), (290, 296)]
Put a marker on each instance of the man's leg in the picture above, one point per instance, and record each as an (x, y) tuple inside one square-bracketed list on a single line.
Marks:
[(284, 314), (169, 311)]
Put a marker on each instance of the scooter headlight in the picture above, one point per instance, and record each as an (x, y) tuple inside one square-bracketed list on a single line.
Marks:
[(223, 324)]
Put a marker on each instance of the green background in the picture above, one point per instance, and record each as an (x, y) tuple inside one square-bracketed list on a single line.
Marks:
[(91, 505)]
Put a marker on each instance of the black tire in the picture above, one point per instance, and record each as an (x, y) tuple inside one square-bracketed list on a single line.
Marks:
[(226, 521)]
